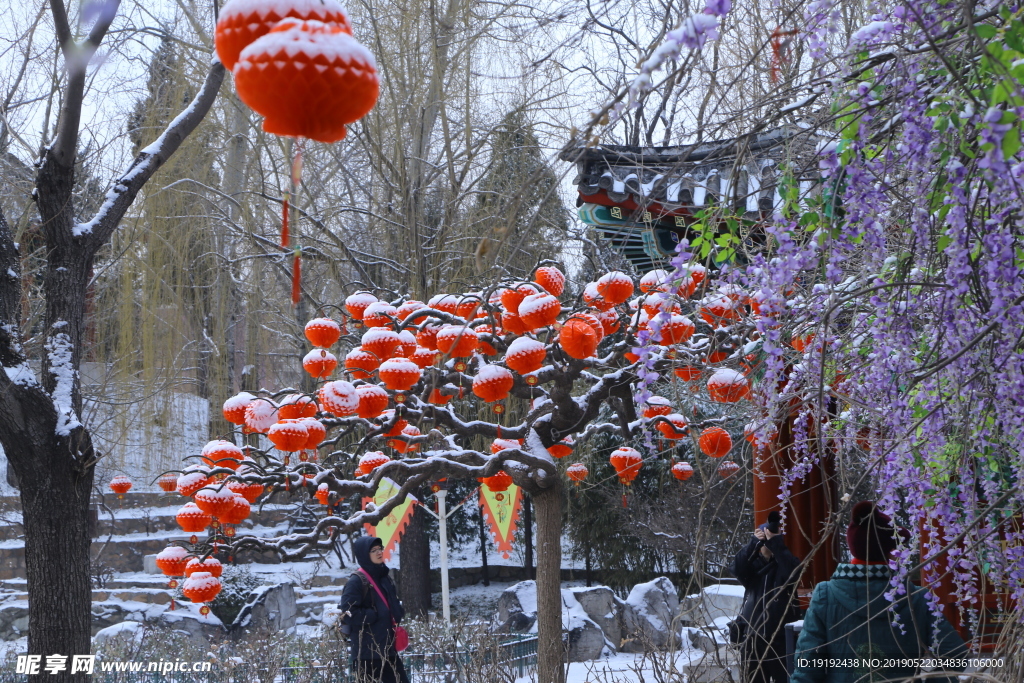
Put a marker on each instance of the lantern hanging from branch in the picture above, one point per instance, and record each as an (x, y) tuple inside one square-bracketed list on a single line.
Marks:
[(577, 472), (682, 471), (728, 386), (499, 482), (167, 482), (627, 462), (727, 469), (120, 485), (715, 442)]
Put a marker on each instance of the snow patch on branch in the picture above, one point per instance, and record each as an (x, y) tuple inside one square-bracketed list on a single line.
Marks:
[(59, 352), (22, 374)]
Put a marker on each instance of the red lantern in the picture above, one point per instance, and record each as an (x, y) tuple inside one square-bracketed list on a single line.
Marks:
[(525, 355), (408, 308), (316, 431), (719, 311), (499, 445), (423, 356), (728, 386), (682, 471), (309, 79), (323, 332), (379, 314), (192, 518), (172, 560), (615, 287), (404, 446), (551, 279), (457, 341), (234, 407), (468, 306), (439, 399), (656, 405), (511, 298), (120, 485), (609, 321), (715, 442), (260, 415), (191, 480), (688, 373), (562, 448), (592, 298), (361, 363), (339, 398), (323, 494), (406, 344), (727, 469), (654, 281), (578, 339), (446, 303), (676, 428), (485, 347), (319, 363), (539, 310), (210, 564), (356, 303), (222, 453), (626, 462), (371, 461), (237, 513), (373, 400), (676, 330), (167, 482), (492, 383), (511, 323), (295, 406), (201, 587), (399, 374), (215, 500), (426, 336), (289, 435), (577, 472), (381, 342), (499, 482)]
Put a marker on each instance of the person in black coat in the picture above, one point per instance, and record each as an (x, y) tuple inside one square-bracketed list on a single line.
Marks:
[(370, 620), (769, 573)]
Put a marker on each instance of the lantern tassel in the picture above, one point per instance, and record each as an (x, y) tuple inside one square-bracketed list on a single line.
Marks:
[(624, 500), (284, 222), (297, 277)]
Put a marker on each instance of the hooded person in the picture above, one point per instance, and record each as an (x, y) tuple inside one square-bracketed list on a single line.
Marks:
[(371, 616), (769, 572), (850, 621)]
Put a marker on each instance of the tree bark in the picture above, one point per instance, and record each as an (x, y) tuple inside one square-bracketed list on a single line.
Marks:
[(483, 546), (528, 537), (414, 576), (550, 648)]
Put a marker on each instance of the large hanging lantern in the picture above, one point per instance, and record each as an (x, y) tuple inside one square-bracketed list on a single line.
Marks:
[(167, 482), (339, 398), (215, 500), (210, 564), (322, 332), (626, 462), (191, 480), (234, 407), (356, 304), (172, 560), (728, 386), (319, 363), (237, 513), (379, 314), (615, 287), (562, 448), (539, 310), (423, 356), (316, 432), (727, 469), (676, 330), (308, 79), (295, 406), (675, 428), (654, 281), (373, 400), (577, 472), (499, 482), (371, 461), (551, 279), (382, 342), (192, 518), (221, 453), (657, 405), (457, 341), (260, 415), (492, 383), (200, 588), (399, 374), (682, 471), (715, 442), (525, 355), (120, 485), (289, 435), (578, 339)]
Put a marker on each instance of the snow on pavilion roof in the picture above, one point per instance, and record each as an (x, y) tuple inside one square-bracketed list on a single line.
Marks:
[(642, 198)]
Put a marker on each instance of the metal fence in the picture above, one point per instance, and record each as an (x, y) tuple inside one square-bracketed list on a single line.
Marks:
[(515, 655)]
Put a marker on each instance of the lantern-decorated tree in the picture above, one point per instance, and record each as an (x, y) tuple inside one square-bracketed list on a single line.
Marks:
[(420, 375)]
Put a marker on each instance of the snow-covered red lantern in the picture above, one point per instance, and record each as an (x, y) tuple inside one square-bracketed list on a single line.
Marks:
[(457, 341), (499, 482), (379, 314), (551, 279), (578, 339), (676, 330), (468, 306), (426, 336), (688, 373), (234, 407), (423, 356), (172, 560), (719, 311), (682, 471), (513, 296), (373, 401), (191, 481), (361, 363), (214, 500), (539, 310), (627, 462), (238, 512), (609, 321), (653, 304), (657, 405), (446, 303), (405, 446), (371, 461), (120, 485), (221, 453), (486, 348), (615, 287), (492, 383), (525, 355), (308, 79), (210, 564), (382, 342), (408, 308), (399, 374), (438, 398), (200, 588), (592, 298), (675, 428), (654, 281), (406, 344), (322, 332), (727, 469), (356, 303), (289, 435), (241, 22), (339, 398), (511, 323), (167, 482), (715, 442), (323, 494), (577, 472), (316, 432), (193, 519), (499, 445), (319, 363), (260, 415), (562, 448), (728, 386), (295, 406)]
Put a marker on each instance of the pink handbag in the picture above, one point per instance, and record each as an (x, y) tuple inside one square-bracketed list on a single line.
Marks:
[(401, 636)]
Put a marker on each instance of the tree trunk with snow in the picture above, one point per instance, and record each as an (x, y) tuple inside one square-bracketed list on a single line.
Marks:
[(550, 650)]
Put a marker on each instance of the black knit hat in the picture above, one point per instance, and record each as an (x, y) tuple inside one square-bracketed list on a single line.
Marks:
[(871, 535)]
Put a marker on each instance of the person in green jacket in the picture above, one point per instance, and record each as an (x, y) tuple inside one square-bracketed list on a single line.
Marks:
[(849, 635)]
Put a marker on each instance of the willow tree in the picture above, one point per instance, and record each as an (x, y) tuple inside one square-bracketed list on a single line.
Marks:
[(46, 443)]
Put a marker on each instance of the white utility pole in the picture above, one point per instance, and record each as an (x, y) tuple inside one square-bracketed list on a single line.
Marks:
[(442, 521)]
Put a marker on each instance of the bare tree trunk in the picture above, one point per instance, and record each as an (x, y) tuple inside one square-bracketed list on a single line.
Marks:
[(550, 649), (528, 536), (483, 547), (414, 576)]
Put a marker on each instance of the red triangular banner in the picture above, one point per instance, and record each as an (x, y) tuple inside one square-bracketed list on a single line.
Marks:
[(502, 511)]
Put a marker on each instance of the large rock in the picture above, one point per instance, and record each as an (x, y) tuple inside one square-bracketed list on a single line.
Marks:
[(714, 602), (649, 616), (517, 612), (269, 609), (14, 620), (599, 604)]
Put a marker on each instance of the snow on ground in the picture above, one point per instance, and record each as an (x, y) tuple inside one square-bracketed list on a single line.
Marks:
[(623, 668)]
